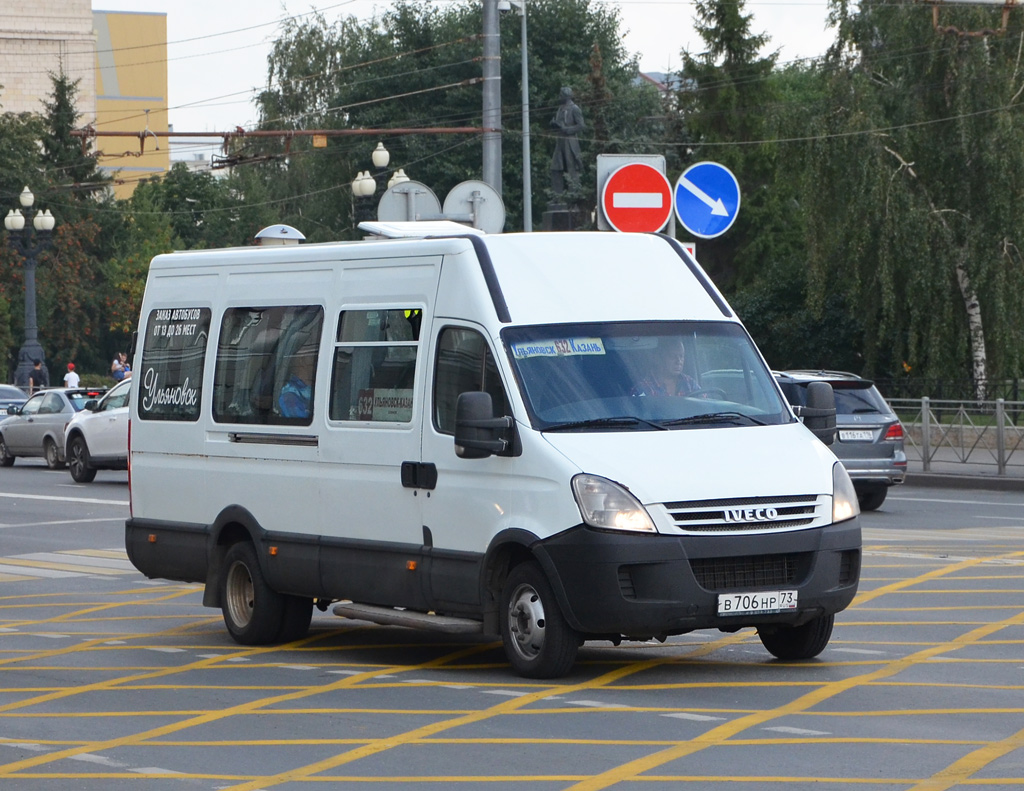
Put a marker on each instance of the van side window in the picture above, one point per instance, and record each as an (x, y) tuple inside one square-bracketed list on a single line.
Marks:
[(464, 363), (170, 377), (375, 365), (266, 365)]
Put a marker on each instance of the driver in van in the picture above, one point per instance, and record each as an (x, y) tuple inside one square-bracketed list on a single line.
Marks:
[(666, 376)]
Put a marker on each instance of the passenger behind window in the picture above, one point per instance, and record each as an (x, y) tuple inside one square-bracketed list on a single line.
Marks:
[(296, 397)]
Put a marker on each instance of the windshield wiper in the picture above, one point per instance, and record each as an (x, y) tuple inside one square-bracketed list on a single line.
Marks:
[(606, 422), (736, 418)]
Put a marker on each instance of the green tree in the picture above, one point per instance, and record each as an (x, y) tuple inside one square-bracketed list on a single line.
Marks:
[(923, 156), (725, 99), (70, 165), (417, 65), (201, 210)]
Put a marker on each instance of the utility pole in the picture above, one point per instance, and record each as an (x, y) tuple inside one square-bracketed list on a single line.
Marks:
[(527, 165), (492, 96)]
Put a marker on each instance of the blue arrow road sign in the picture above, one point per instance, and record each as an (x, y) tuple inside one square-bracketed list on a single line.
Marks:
[(707, 199)]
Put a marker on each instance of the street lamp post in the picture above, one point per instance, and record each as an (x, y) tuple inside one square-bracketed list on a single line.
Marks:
[(22, 225), (380, 156), (363, 187), (367, 187)]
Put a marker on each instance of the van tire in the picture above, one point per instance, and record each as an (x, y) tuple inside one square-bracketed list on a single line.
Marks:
[(253, 611), (78, 461), (538, 642), (798, 642), (298, 613)]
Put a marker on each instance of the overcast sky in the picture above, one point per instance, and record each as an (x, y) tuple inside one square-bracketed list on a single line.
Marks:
[(217, 54)]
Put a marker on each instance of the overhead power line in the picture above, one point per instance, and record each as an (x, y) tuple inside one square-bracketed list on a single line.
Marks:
[(287, 135)]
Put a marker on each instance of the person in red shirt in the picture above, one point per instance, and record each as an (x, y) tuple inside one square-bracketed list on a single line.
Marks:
[(71, 379)]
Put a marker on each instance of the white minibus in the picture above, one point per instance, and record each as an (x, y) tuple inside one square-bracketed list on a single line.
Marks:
[(551, 437)]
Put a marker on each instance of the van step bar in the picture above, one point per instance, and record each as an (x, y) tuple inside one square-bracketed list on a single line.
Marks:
[(414, 620)]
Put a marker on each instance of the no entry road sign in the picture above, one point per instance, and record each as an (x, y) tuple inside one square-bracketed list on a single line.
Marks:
[(637, 198), (707, 198)]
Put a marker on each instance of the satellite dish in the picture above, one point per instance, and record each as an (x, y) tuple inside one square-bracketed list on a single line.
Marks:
[(476, 203), (408, 201)]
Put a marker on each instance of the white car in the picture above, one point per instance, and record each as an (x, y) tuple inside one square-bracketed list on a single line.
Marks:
[(97, 437)]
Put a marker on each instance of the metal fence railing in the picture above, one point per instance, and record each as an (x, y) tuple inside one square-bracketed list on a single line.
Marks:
[(947, 434), (964, 389)]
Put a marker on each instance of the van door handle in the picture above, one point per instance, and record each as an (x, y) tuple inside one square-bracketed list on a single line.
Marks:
[(419, 475)]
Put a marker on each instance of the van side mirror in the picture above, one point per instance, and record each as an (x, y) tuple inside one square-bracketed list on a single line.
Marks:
[(820, 413), (478, 433), (91, 404)]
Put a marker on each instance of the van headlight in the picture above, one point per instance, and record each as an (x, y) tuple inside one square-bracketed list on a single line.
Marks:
[(608, 505), (844, 496)]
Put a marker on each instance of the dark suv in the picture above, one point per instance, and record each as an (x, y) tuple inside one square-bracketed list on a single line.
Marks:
[(869, 436)]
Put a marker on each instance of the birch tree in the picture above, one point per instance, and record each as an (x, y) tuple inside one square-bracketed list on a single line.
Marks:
[(923, 155)]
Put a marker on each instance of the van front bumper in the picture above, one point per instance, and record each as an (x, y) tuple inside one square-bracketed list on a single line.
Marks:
[(642, 586)]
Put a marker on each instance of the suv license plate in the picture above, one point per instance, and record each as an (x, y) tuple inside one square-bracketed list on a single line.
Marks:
[(856, 436), (756, 603)]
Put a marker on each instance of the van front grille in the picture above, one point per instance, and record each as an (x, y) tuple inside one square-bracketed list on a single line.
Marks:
[(751, 572), (748, 514)]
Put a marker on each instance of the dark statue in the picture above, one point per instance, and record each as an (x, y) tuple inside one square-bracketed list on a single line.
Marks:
[(566, 162)]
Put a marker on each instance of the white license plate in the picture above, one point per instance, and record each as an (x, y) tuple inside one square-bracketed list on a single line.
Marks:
[(856, 436), (756, 603)]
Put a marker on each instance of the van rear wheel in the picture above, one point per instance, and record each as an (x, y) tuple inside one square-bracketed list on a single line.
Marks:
[(538, 642), (798, 642), (253, 611)]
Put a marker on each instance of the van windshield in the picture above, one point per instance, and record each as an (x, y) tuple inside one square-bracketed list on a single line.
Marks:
[(645, 376)]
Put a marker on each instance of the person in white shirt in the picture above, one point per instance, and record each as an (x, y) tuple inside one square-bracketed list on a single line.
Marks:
[(71, 379)]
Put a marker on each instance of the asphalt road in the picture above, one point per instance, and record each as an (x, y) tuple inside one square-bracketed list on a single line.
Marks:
[(111, 681)]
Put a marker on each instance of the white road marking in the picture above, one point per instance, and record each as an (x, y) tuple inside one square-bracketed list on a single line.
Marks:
[(52, 499), (857, 651), (596, 704), (685, 715)]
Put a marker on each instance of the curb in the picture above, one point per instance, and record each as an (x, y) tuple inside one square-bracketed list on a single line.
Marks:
[(946, 480)]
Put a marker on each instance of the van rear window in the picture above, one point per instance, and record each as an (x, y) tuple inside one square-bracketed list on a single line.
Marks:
[(266, 365), (173, 355)]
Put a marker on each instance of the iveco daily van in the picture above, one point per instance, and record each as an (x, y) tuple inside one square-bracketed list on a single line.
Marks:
[(554, 437)]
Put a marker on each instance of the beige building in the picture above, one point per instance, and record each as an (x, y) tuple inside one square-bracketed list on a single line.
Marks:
[(120, 61), (131, 95), (37, 39)]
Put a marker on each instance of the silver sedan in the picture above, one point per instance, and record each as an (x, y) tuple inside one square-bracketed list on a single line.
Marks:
[(36, 428)]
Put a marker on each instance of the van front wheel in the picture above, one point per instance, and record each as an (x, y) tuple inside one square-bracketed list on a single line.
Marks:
[(537, 640), (253, 611), (798, 642)]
